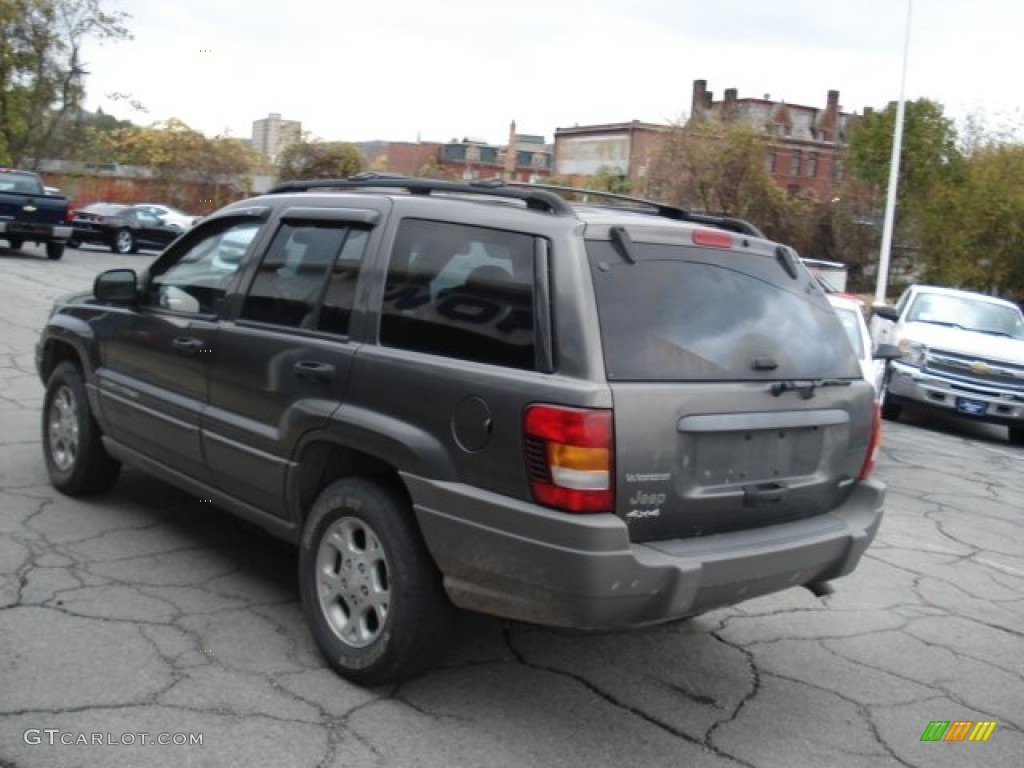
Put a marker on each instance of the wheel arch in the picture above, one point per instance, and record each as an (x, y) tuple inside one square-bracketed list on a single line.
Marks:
[(320, 461)]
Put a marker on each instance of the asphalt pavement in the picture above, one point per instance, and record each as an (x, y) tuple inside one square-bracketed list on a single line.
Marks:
[(145, 616)]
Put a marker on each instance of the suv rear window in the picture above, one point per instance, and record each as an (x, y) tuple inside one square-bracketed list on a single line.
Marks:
[(703, 314)]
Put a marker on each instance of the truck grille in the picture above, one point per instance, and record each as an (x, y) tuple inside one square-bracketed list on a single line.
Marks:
[(970, 370)]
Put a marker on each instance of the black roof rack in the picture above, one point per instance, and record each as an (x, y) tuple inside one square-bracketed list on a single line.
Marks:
[(535, 199), (639, 204)]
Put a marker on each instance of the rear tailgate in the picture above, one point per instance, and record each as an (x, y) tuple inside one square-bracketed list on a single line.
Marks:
[(738, 399), (710, 458), (32, 213)]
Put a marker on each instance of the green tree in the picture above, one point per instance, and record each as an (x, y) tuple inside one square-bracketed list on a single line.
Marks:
[(321, 160), (609, 179), (929, 152), (972, 228), (42, 73)]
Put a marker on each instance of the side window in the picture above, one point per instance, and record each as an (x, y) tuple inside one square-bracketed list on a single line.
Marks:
[(197, 282), (460, 291), (307, 263)]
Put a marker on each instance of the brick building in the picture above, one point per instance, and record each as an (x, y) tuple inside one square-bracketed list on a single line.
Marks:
[(804, 144), (526, 157)]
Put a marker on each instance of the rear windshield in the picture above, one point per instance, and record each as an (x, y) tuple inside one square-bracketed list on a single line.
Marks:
[(687, 313)]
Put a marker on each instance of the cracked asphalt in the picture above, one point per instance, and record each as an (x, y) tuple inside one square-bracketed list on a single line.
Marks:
[(143, 611)]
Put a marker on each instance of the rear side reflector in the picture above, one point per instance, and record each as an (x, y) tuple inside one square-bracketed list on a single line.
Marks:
[(569, 457), (713, 238)]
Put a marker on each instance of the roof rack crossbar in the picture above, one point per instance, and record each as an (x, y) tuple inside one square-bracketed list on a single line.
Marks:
[(535, 199)]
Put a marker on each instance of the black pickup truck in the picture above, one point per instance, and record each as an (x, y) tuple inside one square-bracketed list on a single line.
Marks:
[(27, 212)]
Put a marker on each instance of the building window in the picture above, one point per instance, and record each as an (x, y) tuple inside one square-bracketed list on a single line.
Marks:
[(771, 160), (794, 163), (472, 154), (812, 165)]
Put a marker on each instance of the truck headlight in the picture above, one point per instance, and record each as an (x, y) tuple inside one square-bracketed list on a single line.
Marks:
[(914, 352)]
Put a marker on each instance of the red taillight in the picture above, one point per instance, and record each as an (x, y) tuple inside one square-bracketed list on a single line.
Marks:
[(713, 238), (569, 457), (70, 215), (873, 443)]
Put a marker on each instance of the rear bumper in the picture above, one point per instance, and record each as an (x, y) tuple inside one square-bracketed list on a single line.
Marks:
[(521, 561), (910, 384), (35, 232)]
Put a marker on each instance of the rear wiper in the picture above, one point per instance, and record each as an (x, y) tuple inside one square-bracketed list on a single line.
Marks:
[(805, 387)]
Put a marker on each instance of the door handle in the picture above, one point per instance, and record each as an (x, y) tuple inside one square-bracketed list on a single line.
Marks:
[(310, 370), (188, 346)]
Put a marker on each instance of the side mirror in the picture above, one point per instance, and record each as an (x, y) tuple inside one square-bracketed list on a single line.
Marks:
[(886, 312), (118, 286), (887, 352)]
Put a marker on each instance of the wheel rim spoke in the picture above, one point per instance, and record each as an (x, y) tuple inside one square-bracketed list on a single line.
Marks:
[(63, 429), (353, 582)]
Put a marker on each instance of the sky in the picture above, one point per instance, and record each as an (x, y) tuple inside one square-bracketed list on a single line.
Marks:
[(434, 70)]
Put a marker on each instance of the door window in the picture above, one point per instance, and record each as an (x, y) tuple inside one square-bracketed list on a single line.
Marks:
[(197, 282), (307, 278)]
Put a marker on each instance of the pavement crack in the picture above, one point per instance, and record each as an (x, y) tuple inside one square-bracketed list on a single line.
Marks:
[(619, 704)]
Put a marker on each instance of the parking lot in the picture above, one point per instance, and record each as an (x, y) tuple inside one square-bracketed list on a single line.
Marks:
[(145, 611)]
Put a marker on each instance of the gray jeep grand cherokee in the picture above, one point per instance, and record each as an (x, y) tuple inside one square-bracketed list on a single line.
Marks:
[(482, 396)]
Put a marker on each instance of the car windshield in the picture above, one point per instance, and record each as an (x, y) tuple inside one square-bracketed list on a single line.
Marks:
[(700, 314), (969, 314)]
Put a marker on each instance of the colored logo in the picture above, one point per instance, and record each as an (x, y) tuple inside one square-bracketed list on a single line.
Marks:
[(958, 730)]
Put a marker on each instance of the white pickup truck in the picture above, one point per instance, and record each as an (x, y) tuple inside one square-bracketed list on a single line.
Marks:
[(962, 352)]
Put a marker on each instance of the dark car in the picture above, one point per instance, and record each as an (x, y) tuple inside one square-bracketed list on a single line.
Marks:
[(487, 396), (122, 228)]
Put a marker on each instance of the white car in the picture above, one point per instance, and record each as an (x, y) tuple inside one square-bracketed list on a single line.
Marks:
[(851, 315), (172, 217)]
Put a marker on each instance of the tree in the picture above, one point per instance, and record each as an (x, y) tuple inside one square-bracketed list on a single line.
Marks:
[(321, 160), (177, 154), (929, 152), (41, 69), (972, 227)]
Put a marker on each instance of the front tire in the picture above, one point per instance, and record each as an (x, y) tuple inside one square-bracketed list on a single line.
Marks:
[(370, 591), (15, 243), (54, 251), (1016, 435), (76, 460), (124, 242)]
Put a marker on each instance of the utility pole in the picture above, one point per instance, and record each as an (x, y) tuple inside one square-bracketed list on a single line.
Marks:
[(894, 174)]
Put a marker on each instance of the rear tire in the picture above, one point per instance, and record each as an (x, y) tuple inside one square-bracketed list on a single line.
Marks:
[(124, 242), (76, 460), (54, 251), (1016, 435), (372, 595), (15, 243)]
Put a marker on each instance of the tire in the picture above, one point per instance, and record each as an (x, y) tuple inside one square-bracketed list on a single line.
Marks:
[(1016, 435), (388, 618), (74, 243), (890, 411), (54, 251), (76, 461), (123, 242), (15, 243)]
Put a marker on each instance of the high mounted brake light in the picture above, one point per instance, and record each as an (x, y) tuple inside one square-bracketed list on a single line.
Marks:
[(569, 457), (712, 238)]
